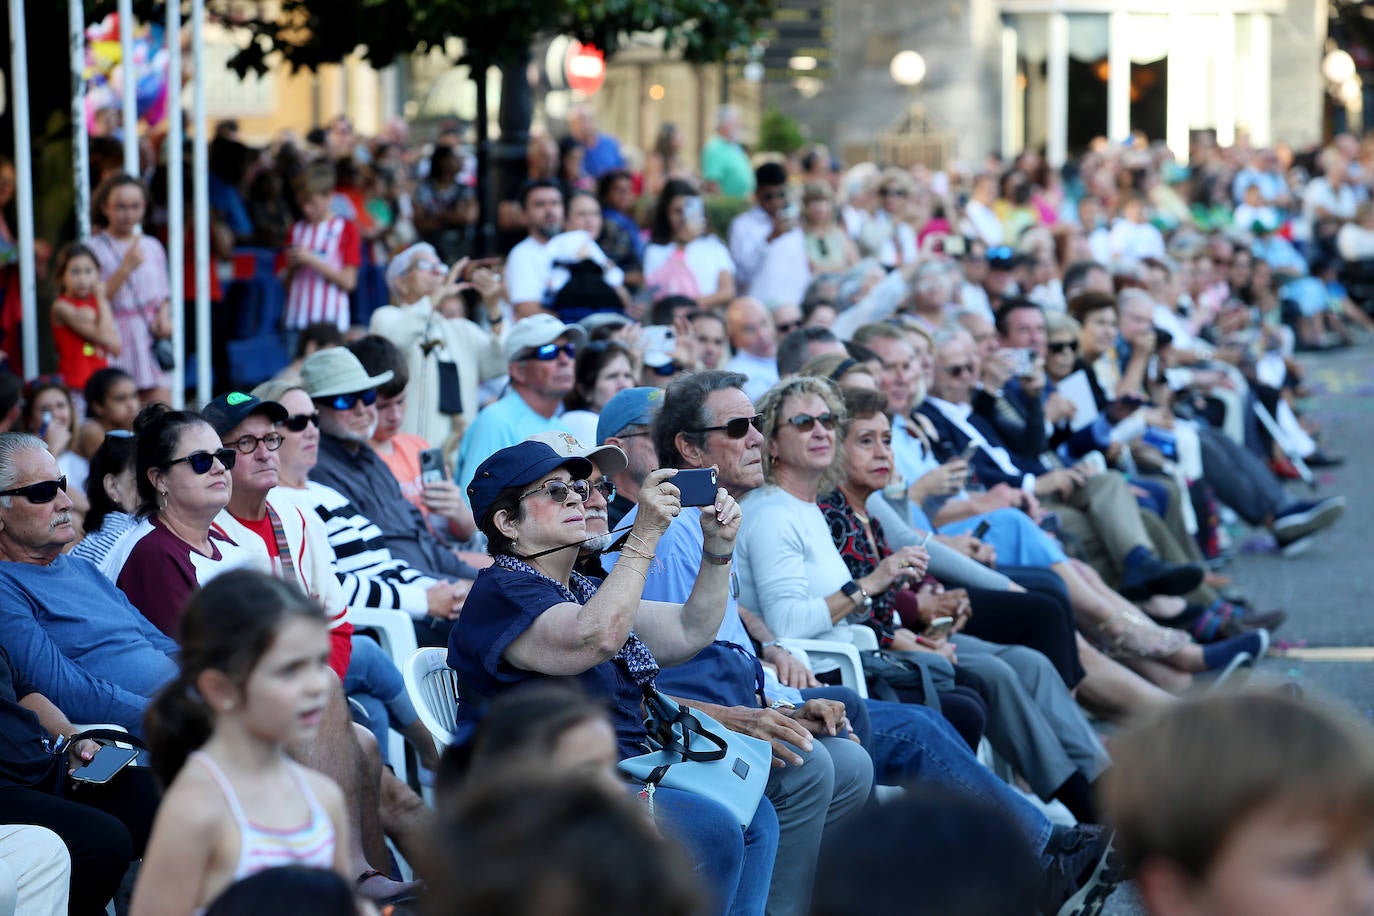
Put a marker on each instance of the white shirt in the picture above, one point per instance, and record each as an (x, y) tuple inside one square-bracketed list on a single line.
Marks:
[(530, 272), (981, 222), (762, 372), (1133, 241), (774, 271), (707, 258)]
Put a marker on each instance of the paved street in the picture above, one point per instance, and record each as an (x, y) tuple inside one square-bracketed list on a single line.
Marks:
[(1329, 590)]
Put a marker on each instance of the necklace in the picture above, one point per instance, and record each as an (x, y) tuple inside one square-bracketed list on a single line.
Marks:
[(863, 519)]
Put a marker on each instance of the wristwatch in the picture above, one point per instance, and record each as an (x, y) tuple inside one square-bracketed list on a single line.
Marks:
[(855, 592)]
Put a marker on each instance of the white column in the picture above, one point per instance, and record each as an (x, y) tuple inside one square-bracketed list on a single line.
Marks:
[(1178, 95), (176, 203), (81, 150), (201, 204), (1118, 76), (1224, 78), (1257, 85), (23, 184), (1057, 77), (1012, 138), (130, 87)]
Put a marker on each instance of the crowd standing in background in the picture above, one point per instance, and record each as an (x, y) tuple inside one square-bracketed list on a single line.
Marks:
[(997, 426)]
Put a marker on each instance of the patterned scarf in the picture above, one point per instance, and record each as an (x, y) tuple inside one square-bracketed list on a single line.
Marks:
[(634, 656)]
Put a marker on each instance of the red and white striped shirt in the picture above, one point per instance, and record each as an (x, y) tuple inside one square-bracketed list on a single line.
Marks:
[(311, 297)]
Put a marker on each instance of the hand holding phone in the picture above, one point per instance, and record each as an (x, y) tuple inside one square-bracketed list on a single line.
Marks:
[(939, 628), (108, 761), (697, 486)]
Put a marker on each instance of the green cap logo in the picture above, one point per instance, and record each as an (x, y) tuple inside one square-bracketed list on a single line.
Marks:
[(235, 398)]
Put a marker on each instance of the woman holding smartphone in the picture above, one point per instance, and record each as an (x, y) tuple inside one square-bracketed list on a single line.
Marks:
[(682, 258)]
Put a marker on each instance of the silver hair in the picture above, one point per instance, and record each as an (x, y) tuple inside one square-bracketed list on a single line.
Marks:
[(12, 445), (1130, 293)]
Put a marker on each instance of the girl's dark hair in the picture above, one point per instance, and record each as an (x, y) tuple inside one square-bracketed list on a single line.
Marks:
[(113, 456), (99, 384), (288, 890), (591, 359), (157, 430), (661, 231), (228, 626), (64, 257), (525, 724), (108, 187)]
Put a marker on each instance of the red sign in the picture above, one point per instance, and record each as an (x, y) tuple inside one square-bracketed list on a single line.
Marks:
[(585, 67)]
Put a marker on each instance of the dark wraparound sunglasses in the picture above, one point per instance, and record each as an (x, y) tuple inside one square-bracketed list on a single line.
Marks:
[(297, 422), (349, 401), (1061, 346), (201, 462), (804, 422), (549, 352), (45, 491), (737, 428)]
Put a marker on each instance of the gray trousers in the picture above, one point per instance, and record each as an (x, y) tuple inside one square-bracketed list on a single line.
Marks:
[(1034, 724), (832, 784), (1240, 478)]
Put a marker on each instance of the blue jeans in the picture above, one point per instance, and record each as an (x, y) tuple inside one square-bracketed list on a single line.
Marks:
[(734, 866), (915, 744), (375, 682)]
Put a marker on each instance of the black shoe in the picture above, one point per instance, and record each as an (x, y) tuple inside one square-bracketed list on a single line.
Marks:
[(1080, 876), (1306, 518), (1323, 460), (1152, 576)]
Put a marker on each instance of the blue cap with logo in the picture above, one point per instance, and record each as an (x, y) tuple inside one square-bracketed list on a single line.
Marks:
[(631, 407)]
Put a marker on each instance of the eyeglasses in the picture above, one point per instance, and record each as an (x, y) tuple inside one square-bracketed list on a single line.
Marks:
[(201, 462), (1061, 346), (549, 352), (249, 444), (804, 422), (558, 490), (957, 371), (349, 401), (893, 192), (788, 327), (1000, 253), (45, 491), (605, 488), (297, 422), (737, 428)]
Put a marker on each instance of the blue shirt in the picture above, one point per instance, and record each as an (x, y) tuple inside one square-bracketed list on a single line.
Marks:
[(726, 671), (81, 643), (500, 424), (602, 156)]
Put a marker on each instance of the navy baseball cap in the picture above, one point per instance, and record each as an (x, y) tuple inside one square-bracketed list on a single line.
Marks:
[(227, 411), (516, 466), (631, 407)]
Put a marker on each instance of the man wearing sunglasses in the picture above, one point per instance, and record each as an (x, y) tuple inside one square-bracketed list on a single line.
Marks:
[(540, 352), (767, 243)]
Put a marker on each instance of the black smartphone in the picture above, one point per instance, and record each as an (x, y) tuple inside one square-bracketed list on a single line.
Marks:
[(982, 529), (969, 451), (431, 465), (697, 486), (107, 761)]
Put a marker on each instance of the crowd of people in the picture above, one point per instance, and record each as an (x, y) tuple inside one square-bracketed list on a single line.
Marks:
[(997, 429)]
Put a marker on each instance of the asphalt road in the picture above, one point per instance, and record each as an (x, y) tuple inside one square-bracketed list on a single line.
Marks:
[(1328, 591)]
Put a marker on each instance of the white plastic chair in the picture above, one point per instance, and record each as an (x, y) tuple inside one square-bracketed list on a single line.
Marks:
[(841, 653), (396, 635), (433, 687)]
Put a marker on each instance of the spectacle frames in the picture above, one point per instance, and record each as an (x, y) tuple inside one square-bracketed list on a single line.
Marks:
[(249, 444), (297, 422), (549, 352), (957, 371), (201, 462), (45, 491), (1061, 346), (605, 488), (737, 428), (349, 401), (804, 422), (558, 490)]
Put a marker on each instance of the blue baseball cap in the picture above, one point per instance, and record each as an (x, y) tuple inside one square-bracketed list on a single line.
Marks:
[(515, 466), (631, 407)]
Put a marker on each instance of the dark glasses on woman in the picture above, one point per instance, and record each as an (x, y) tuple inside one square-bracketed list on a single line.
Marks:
[(558, 490), (45, 491), (297, 422), (349, 401), (1061, 346), (201, 462), (804, 422), (737, 428)]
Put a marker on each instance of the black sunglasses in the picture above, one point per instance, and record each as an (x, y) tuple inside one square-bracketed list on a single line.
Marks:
[(892, 192), (549, 352), (1071, 345), (297, 422), (201, 462), (804, 422), (349, 401), (737, 428), (45, 491), (558, 490), (249, 444), (788, 327), (956, 371), (605, 488)]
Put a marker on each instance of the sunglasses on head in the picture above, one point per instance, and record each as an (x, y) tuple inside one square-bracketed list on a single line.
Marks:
[(349, 401), (549, 352), (45, 491), (201, 462), (558, 490), (956, 371), (1061, 346), (737, 428), (804, 422), (297, 422)]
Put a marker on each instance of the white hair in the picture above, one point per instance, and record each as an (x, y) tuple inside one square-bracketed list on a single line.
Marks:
[(12, 445)]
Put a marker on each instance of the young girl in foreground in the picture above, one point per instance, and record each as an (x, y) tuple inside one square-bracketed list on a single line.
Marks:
[(254, 656)]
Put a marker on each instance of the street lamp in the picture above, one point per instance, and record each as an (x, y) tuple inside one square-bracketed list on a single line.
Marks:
[(908, 68)]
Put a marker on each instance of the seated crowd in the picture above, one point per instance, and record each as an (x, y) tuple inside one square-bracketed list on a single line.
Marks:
[(992, 447)]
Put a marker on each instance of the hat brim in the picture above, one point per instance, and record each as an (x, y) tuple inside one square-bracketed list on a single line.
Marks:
[(372, 381), (609, 459)]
